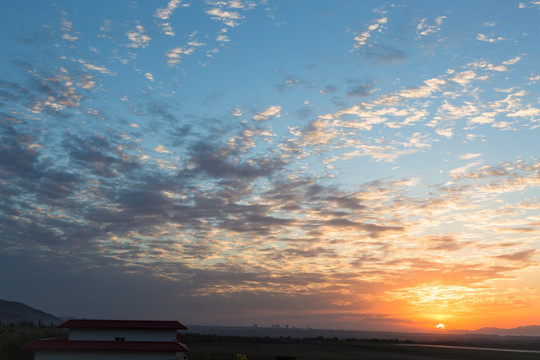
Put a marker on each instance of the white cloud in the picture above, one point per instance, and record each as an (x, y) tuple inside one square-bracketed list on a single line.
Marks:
[(362, 38), (165, 13), (431, 85), (484, 118), (449, 133), (469, 156), (138, 37), (236, 112), (529, 112), (149, 76), (417, 140), (531, 4), (268, 113), (485, 38), (222, 38), (423, 29), (175, 55), (66, 26), (512, 61), (167, 28), (465, 77), (463, 169), (161, 149), (229, 18), (101, 69), (450, 111)]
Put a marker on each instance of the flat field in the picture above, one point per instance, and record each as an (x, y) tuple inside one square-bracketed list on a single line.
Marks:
[(341, 350)]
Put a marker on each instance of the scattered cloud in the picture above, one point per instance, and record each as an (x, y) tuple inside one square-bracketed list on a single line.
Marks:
[(229, 18), (66, 27), (272, 111), (165, 13), (138, 37), (469, 156), (486, 38), (161, 149), (362, 38), (377, 53), (386, 193), (524, 255), (424, 29)]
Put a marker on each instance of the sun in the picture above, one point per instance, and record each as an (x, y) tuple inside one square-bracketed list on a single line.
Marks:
[(440, 326)]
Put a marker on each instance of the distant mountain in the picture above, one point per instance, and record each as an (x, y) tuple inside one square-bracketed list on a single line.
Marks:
[(13, 312), (531, 330)]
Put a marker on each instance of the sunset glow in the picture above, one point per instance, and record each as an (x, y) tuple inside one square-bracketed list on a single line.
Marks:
[(350, 165)]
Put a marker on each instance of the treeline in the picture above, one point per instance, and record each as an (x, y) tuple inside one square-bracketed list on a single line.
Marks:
[(13, 338), (26, 324)]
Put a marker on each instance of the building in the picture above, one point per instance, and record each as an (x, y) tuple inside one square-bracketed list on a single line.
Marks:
[(113, 340)]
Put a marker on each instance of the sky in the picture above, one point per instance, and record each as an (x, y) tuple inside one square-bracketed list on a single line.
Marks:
[(367, 165)]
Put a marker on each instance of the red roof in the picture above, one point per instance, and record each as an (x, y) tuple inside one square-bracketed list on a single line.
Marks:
[(88, 345), (122, 324)]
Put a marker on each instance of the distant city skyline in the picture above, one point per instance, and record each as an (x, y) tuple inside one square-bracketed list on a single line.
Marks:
[(368, 165)]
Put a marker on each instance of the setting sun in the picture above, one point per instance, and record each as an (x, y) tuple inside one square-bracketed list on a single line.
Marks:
[(440, 326)]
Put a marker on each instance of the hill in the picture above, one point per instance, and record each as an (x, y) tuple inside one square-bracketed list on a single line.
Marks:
[(13, 312), (531, 330)]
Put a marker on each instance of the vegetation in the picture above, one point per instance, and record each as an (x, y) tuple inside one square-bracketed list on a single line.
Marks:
[(14, 337)]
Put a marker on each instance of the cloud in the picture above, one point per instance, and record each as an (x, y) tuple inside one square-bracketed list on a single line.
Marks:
[(469, 156), (484, 118), (423, 29), (529, 112), (175, 55), (97, 156), (362, 38), (221, 205), (485, 38), (229, 18), (66, 27), (444, 243), (161, 149), (219, 163), (98, 68), (464, 78), (272, 111), (430, 86), (448, 133), (328, 89), (519, 256), (138, 37), (359, 89), (383, 54), (531, 4), (54, 93), (165, 14)]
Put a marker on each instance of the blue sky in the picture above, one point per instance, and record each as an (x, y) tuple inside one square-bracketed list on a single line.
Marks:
[(361, 165)]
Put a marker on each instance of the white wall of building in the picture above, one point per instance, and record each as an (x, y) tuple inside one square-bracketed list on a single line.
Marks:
[(105, 355), (127, 334)]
